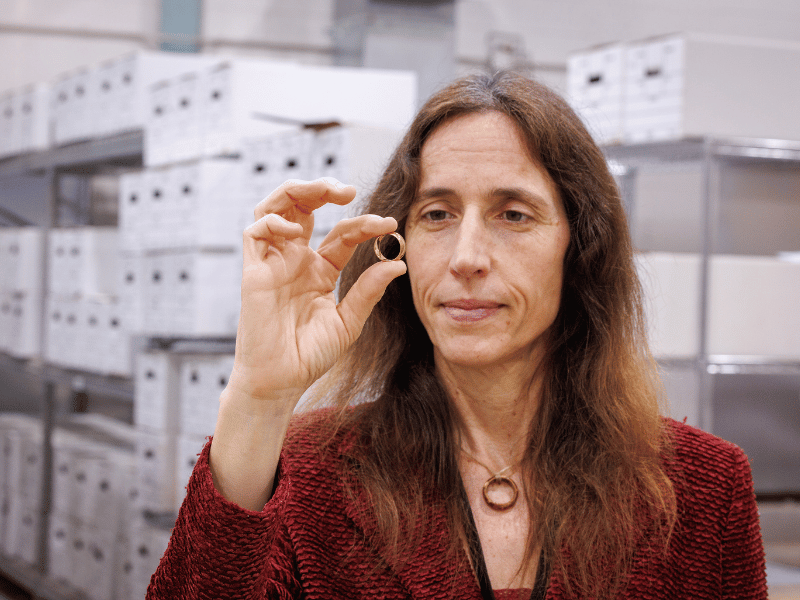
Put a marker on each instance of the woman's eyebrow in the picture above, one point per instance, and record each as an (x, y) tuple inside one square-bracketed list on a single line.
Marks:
[(522, 194), (435, 192)]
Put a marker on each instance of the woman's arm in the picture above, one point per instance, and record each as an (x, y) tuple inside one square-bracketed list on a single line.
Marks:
[(291, 330)]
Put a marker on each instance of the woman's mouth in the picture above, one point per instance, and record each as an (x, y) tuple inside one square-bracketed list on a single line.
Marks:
[(469, 311)]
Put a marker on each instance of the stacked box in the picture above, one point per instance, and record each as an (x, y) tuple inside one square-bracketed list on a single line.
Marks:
[(121, 86), (94, 476), (685, 86), (671, 284), (21, 266), (175, 410), (187, 205), (753, 307), (24, 120), (192, 293), (87, 324), (213, 111), (73, 106), (595, 86), (109, 98), (21, 469)]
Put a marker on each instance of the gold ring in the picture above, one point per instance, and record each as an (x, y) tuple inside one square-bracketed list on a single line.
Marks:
[(399, 238)]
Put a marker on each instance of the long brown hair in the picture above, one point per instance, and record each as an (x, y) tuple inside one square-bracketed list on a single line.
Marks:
[(593, 466)]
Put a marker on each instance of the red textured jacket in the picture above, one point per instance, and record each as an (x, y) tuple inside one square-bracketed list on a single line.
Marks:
[(309, 541)]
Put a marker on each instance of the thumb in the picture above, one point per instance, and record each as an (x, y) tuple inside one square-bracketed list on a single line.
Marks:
[(365, 293)]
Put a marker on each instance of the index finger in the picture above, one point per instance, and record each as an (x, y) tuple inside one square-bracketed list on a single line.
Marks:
[(304, 197)]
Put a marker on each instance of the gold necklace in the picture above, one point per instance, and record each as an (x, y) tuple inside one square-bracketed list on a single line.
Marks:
[(497, 480)]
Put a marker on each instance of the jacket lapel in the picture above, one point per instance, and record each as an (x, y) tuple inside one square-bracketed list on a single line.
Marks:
[(427, 574)]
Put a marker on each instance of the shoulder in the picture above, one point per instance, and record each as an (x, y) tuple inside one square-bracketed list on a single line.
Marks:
[(705, 468), (697, 451)]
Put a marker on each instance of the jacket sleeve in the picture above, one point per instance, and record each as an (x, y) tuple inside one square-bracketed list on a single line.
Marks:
[(743, 563), (219, 550)]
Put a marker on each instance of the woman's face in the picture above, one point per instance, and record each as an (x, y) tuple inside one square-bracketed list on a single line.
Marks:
[(486, 238)]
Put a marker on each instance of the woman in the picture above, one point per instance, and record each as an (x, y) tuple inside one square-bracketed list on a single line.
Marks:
[(495, 428)]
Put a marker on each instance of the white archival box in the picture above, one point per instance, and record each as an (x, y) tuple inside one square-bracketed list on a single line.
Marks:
[(688, 85), (184, 117), (206, 292), (74, 103), (155, 466), (130, 204), (93, 314), (203, 206), (159, 128), (257, 98), (117, 342), (83, 261), (15, 428), (671, 284), (174, 128), (156, 187), (754, 307), (33, 113), (60, 534), (96, 576), (24, 324), (63, 327), (6, 320), (193, 292), (58, 247), (131, 286), (122, 85), (202, 380), (270, 160), (9, 136), (24, 254), (595, 88), (32, 467), (156, 403), (23, 527), (147, 545)]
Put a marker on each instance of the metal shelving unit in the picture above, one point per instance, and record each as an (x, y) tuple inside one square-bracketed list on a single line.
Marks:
[(715, 156), (78, 159)]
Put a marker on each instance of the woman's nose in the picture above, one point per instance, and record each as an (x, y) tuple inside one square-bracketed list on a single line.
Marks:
[(471, 250)]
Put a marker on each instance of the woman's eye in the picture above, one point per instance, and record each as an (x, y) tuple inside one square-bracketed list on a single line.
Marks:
[(514, 216), (436, 215)]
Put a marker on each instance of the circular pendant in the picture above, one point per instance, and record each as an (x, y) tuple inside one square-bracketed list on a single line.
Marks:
[(499, 482)]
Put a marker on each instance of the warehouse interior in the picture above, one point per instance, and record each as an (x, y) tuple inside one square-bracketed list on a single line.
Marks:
[(136, 138)]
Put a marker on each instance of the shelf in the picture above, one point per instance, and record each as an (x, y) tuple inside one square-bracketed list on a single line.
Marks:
[(40, 586), (215, 345), (695, 149), (122, 150), (108, 386), (751, 365)]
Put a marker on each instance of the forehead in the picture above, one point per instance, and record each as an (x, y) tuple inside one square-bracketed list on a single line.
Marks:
[(475, 133), (483, 152)]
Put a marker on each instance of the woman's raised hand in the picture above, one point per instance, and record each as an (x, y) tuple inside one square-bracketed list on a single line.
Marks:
[(291, 330)]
